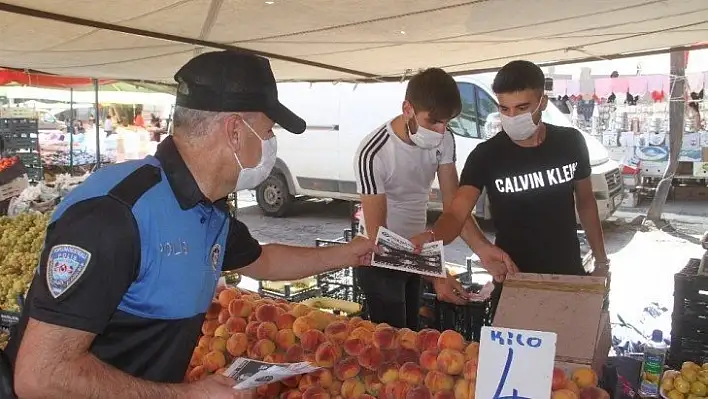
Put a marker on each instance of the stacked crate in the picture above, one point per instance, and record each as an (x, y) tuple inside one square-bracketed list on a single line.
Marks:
[(20, 137)]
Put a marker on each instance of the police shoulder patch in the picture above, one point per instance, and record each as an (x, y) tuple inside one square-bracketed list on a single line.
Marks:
[(65, 265)]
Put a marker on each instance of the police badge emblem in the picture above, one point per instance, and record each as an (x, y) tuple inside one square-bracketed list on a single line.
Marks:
[(215, 255), (65, 265)]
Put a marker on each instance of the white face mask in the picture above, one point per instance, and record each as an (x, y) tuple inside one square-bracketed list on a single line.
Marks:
[(250, 178), (519, 127), (424, 137)]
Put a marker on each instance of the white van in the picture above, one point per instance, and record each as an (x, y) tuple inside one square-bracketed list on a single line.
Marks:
[(319, 163)]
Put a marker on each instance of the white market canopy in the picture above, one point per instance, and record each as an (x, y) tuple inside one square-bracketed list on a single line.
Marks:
[(336, 39)]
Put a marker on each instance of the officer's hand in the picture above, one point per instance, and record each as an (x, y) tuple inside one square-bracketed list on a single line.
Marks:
[(359, 251), (497, 262), (448, 289), (217, 386)]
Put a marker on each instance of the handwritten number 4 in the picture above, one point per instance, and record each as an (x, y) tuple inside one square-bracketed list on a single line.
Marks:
[(502, 380)]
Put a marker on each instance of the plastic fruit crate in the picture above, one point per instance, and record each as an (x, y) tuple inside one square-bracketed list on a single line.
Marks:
[(689, 321)]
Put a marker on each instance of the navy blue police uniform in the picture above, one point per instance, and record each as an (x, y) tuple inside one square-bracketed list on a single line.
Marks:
[(133, 255)]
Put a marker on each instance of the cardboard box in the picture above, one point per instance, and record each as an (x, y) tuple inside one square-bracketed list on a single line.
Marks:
[(571, 306)]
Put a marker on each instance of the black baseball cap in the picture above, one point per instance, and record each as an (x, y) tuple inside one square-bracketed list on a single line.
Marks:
[(230, 81)]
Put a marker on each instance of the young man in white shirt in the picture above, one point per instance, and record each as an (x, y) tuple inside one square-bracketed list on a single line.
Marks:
[(395, 167)]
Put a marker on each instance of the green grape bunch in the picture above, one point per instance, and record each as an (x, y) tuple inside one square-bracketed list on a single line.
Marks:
[(21, 240)]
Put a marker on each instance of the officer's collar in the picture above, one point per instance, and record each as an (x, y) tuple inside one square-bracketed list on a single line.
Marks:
[(180, 178)]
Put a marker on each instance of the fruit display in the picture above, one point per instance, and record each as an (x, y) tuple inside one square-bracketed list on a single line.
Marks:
[(691, 382), (358, 359), (21, 239), (580, 384), (7, 163)]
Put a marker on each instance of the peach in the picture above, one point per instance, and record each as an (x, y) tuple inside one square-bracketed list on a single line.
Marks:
[(450, 339), (373, 385), (584, 377), (275, 357), (321, 319), (300, 310), (353, 346), (271, 390), (464, 389), (352, 388), (427, 339), (354, 322), (311, 339), (438, 381), (385, 338), (284, 339), (218, 344), (419, 392), (381, 326), (266, 330), (240, 308), (559, 379), (307, 381), (407, 338), (315, 392), (226, 296), (252, 328), (294, 354), (370, 357), (444, 395), (324, 378), (309, 357), (209, 326), (572, 386), (337, 332), (196, 374), (263, 348), (328, 354), (204, 341), (213, 310), (223, 315), (367, 325), (251, 317), (236, 324), (389, 355), (285, 321), (396, 389), (303, 324), (214, 360), (293, 394), (222, 332), (362, 333), (451, 361), (237, 344), (292, 382), (470, 370), (198, 356), (429, 360), (406, 355), (593, 392), (563, 394), (366, 396), (336, 389), (388, 372), (411, 373), (472, 351), (347, 368), (267, 313)]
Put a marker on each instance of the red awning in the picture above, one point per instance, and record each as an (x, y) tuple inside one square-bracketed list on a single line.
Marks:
[(10, 76)]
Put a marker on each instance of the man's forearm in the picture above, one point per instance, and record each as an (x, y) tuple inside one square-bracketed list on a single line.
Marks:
[(447, 228), (286, 262), (472, 234), (590, 221), (88, 377)]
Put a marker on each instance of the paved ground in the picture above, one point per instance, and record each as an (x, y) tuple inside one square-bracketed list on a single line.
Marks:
[(643, 259)]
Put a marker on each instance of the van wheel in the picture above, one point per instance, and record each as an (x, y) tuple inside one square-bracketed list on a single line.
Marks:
[(273, 196)]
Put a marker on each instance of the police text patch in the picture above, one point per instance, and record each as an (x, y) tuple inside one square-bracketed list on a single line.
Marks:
[(65, 265)]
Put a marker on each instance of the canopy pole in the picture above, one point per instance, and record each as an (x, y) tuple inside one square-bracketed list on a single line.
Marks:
[(98, 138), (70, 129)]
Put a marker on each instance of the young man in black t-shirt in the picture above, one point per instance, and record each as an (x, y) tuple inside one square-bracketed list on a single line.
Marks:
[(536, 176)]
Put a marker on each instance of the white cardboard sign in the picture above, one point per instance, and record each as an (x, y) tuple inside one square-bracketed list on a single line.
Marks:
[(515, 364)]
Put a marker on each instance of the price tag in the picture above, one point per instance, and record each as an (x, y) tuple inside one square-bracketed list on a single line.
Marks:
[(515, 364)]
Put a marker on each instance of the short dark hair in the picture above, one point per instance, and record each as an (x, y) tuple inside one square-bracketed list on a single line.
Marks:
[(435, 91), (518, 76)]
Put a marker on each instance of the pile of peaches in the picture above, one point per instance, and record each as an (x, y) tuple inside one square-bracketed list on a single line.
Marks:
[(581, 384)]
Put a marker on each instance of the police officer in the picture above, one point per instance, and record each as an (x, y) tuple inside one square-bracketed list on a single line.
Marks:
[(132, 256)]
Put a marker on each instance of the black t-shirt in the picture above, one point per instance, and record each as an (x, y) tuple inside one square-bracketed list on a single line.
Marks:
[(143, 345), (531, 194)]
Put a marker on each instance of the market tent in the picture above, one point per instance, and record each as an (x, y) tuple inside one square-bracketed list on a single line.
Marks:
[(335, 40)]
